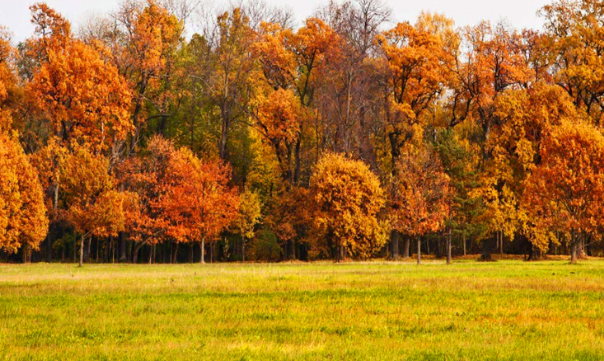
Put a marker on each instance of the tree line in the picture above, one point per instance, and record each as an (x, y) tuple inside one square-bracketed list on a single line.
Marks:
[(346, 136)]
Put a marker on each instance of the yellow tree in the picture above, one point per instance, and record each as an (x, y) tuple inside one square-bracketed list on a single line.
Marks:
[(248, 217), (227, 86), (574, 30), (421, 195), (524, 116), (348, 199), (566, 190)]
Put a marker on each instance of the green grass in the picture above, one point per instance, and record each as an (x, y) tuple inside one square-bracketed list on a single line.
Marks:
[(508, 310)]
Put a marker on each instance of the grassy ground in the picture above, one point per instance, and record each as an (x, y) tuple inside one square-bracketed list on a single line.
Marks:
[(508, 310)]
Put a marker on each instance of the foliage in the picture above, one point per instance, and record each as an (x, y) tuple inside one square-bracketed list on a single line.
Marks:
[(23, 219), (348, 199)]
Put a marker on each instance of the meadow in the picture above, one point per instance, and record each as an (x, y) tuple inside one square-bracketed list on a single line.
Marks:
[(506, 310)]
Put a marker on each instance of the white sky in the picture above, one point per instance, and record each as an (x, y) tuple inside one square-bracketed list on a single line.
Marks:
[(519, 13)]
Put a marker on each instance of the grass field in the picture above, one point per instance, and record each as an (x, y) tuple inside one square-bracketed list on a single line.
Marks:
[(508, 310)]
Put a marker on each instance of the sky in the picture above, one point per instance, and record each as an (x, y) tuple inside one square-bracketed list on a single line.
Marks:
[(14, 14)]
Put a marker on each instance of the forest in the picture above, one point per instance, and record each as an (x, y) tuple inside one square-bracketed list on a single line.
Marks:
[(345, 137)]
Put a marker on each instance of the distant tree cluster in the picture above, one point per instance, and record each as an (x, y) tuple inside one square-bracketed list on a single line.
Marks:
[(344, 137)]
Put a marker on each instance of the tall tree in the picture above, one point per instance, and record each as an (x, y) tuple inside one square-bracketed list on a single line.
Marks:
[(422, 195), (566, 190)]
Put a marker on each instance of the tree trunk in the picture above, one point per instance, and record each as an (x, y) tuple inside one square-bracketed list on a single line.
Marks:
[(122, 242), (501, 243), (49, 242), (202, 247), (573, 248), (175, 259), (135, 252), (394, 237), (419, 250), (449, 246), (88, 245), (464, 244), (406, 247), (339, 253), (242, 248), (82, 251)]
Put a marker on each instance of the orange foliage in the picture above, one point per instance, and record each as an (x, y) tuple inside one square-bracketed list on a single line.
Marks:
[(83, 95), (566, 190), (23, 218), (421, 194), (198, 204)]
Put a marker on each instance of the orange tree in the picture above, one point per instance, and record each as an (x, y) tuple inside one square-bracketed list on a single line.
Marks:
[(94, 207), (82, 94), (145, 175), (23, 220), (566, 190), (199, 204), (421, 195), (347, 200)]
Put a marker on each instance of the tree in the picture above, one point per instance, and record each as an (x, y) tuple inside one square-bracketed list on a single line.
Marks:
[(93, 206), (145, 42), (348, 199), (250, 214), (525, 117), (421, 196), (199, 204), (566, 190), (573, 29), (145, 175), (23, 221), (227, 84), (347, 92), (81, 93), (418, 59)]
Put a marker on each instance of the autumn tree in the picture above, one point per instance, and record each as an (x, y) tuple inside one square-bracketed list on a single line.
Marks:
[(145, 175), (348, 199), (566, 189), (525, 117), (23, 221), (145, 44), (573, 29), (81, 93), (227, 85), (199, 204), (94, 207), (421, 192), (417, 60), (248, 217), (348, 88)]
